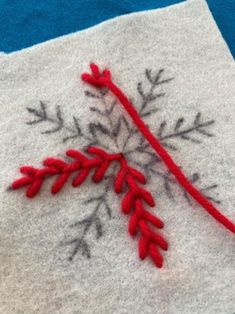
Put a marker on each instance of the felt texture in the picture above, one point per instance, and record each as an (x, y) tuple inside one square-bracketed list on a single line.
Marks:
[(42, 20), (198, 275)]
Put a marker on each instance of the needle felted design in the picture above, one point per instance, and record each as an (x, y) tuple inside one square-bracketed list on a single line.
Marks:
[(127, 178), (133, 202), (103, 79)]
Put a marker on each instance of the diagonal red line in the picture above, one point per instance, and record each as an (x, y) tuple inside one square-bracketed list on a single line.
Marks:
[(106, 81)]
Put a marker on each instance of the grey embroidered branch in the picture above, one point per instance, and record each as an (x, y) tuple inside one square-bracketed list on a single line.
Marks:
[(56, 121), (112, 128), (185, 133), (80, 243), (150, 96), (179, 132), (106, 132), (169, 184)]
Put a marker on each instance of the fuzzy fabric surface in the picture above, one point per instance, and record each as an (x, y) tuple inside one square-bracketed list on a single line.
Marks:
[(71, 253), (42, 20)]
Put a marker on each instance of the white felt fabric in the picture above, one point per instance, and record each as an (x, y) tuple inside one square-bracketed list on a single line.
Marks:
[(199, 271)]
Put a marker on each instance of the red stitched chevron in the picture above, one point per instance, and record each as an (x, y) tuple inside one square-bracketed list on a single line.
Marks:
[(129, 179)]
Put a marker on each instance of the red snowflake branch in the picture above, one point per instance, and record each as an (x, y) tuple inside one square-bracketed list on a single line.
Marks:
[(102, 79), (136, 197), (133, 203)]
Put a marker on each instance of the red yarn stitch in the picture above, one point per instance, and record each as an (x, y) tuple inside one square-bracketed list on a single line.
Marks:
[(132, 203), (103, 79)]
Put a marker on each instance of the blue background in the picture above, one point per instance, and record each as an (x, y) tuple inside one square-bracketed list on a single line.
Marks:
[(24, 23)]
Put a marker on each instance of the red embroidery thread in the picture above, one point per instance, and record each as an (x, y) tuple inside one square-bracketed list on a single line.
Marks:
[(132, 203), (103, 79), (136, 197)]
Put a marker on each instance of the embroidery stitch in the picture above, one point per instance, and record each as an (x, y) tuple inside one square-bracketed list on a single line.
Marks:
[(198, 125), (103, 79), (79, 242), (95, 134), (179, 132), (57, 121), (129, 178)]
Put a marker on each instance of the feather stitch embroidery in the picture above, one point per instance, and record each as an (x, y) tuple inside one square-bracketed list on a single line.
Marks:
[(128, 178)]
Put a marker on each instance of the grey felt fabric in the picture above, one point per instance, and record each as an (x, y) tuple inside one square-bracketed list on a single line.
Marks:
[(199, 271)]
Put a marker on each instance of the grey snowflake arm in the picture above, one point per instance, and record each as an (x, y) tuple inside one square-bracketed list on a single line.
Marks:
[(56, 122), (188, 133), (197, 127), (93, 220), (148, 97), (169, 184)]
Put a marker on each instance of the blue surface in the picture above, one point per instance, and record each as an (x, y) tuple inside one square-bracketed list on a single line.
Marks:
[(224, 15), (24, 23)]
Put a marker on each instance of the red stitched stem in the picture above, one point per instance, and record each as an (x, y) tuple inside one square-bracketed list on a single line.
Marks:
[(103, 79), (133, 202)]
